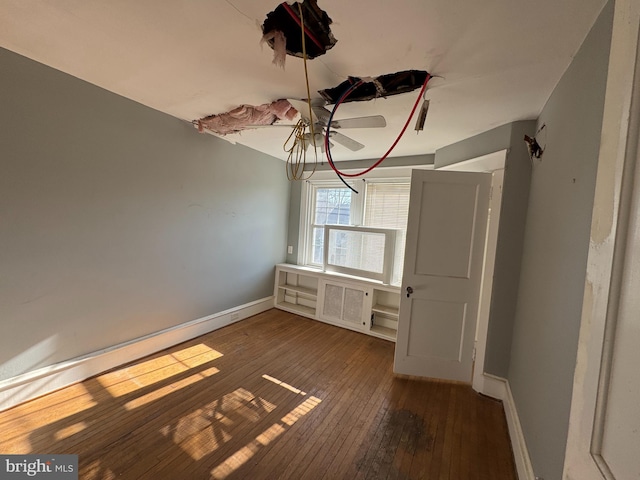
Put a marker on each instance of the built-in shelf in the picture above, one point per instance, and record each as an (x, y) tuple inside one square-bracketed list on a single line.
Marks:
[(310, 293), (385, 309), (298, 289), (297, 308), (385, 332)]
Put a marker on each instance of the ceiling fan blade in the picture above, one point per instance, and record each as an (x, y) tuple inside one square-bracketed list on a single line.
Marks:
[(288, 125), (345, 141), (374, 121), (303, 108), (321, 113), (322, 149)]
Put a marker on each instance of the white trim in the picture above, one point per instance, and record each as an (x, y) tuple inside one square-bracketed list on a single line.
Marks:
[(302, 228), (486, 163), (488, 269), (21, 388), (611, 220), (498, 388), (387, 254), (378, 173)]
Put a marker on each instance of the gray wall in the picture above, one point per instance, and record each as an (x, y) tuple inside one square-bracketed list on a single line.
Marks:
[(545, 334), (117, 221), (484, 143), (294, 220)]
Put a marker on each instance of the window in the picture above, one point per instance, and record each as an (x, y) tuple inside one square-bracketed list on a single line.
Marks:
[(330, 206), (382, 204), (361, 251)]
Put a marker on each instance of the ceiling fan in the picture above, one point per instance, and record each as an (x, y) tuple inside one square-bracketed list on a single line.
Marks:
[(319, 119)]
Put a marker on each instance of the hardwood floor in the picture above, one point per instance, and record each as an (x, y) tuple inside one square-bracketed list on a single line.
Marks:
[(275, 396)]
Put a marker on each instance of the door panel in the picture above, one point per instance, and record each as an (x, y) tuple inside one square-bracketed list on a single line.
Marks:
[(446, 318), (452, 240), (446, 233)]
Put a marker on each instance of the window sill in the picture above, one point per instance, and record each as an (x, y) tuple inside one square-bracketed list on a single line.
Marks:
[(345, 276)]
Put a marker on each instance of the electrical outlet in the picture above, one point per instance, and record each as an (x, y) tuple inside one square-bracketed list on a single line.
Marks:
[(290, 249)]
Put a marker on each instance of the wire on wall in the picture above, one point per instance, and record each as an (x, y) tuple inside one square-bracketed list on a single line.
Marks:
[(533, 146)]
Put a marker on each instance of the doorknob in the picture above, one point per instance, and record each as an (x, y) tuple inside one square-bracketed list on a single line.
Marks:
[(409, 291)]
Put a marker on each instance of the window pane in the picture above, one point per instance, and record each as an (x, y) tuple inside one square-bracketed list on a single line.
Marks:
[(357, 250), (333, 206), (387, 206), (317, 246)]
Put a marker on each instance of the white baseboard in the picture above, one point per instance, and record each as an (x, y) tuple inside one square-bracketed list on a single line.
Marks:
[(498, 388), (21, 388)]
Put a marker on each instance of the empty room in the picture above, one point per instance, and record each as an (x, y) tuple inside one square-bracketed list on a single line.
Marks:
[(319, 239)]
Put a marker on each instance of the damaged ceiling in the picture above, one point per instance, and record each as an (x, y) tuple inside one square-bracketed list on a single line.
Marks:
[(496, 61)]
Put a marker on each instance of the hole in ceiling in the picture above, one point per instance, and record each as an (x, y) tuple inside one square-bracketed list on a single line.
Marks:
[(246, 116), (285, 21), (382, 86)]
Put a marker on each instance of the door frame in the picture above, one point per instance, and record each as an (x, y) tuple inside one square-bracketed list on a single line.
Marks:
[(610, 226), (493, 163)]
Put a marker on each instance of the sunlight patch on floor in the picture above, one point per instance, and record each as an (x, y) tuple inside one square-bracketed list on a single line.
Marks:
[(242, 456), (69, 431), (283, 384), (41, 412), (164, 391), (305, 407), (126, 380), (207, 429)]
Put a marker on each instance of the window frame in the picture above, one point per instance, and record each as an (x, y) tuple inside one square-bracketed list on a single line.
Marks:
[(328, 179), (387, 261)]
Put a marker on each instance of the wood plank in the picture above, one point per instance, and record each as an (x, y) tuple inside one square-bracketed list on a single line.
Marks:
[(273, 396), (413, 437), (337, 396)]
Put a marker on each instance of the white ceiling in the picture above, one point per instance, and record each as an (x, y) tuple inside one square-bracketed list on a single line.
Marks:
[(500, 59)]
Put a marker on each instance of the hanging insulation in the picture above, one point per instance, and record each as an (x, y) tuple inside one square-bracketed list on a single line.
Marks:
[(278, 41), (246, 116)]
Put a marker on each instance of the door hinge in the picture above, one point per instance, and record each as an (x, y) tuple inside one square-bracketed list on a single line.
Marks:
[(473, 356), (491, 193)]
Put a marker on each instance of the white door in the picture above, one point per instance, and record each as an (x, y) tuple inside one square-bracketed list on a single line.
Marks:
[(604, 426), (446, 233)]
